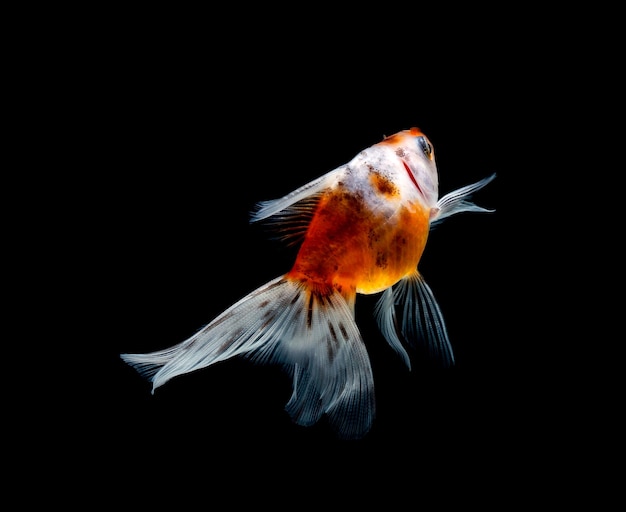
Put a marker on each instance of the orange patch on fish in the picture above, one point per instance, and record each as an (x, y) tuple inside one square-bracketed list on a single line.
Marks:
[(351, 247), (383, 184), (400, 137)]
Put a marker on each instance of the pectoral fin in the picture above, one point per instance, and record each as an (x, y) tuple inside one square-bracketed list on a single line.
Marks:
[(457, 201)]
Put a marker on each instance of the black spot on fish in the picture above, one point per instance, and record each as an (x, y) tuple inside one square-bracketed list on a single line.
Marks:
[(331, 352), (373, 237), (333, 334), (343, 330), (381, 259), (218, 321), (309, 313), (233, 338), (270, 287)]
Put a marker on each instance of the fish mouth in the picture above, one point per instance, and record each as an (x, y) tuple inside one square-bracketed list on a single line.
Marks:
[(408, 170)]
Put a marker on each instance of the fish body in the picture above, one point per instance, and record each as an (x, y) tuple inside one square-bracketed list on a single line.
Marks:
[(362, 229), (371, 223)]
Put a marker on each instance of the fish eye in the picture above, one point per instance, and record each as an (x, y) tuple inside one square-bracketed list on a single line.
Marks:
[(425, 146)]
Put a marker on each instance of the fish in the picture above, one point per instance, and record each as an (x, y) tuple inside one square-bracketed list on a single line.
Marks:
[(360, 228)]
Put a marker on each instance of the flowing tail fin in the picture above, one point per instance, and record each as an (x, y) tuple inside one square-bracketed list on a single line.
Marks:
[(310, 333)]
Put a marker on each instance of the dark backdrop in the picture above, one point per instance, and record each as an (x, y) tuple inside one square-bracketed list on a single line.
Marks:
[(193, 130)]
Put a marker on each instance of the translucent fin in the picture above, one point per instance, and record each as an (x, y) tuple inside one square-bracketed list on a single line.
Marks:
[(311, 334), (290, 224), (330, 367), (385, 314), (266, 209), (457, 201), (237, 330), (421, 319)]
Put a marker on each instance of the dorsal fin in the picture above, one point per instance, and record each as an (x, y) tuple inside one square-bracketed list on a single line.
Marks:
[(291, 223), (290, 215), (266, 209)]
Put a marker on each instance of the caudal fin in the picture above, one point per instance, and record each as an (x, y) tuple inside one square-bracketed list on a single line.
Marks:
[(311, 334)]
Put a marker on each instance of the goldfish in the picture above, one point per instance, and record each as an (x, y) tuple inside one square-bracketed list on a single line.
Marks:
[(361, 229)]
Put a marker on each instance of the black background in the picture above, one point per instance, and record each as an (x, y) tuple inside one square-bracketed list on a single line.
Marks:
[(187, 126)]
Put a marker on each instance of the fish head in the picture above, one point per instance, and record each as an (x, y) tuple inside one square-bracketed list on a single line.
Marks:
[(416, 158)]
